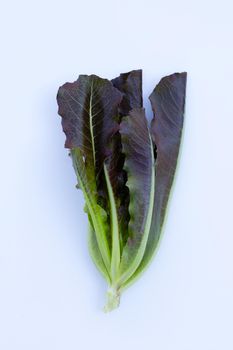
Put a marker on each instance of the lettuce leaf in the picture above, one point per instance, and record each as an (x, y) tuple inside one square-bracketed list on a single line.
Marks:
[(139, 166), (88, 108), (130, 85), (124, 168), (168, 103)]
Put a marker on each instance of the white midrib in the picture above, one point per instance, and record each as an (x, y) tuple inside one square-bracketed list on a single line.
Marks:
[(91, 124)]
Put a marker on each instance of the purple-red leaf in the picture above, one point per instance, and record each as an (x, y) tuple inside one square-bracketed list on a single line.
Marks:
[(168, 102), (89, 111), (130, 85), (88, 108), (139, 165)]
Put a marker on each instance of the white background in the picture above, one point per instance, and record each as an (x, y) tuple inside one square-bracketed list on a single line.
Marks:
[(51, 295)]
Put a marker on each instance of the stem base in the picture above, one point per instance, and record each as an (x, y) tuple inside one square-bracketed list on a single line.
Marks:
[(113, 299)]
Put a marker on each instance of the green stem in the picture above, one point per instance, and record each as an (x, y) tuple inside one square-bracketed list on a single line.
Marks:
[(115, 259)]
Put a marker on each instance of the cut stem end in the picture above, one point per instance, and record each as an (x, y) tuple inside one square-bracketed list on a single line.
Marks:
[(113, 299)]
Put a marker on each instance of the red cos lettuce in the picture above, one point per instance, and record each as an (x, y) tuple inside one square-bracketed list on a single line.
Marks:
[(124, 168)]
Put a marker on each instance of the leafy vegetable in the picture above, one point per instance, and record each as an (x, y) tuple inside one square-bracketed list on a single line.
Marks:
[(124, 169)]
